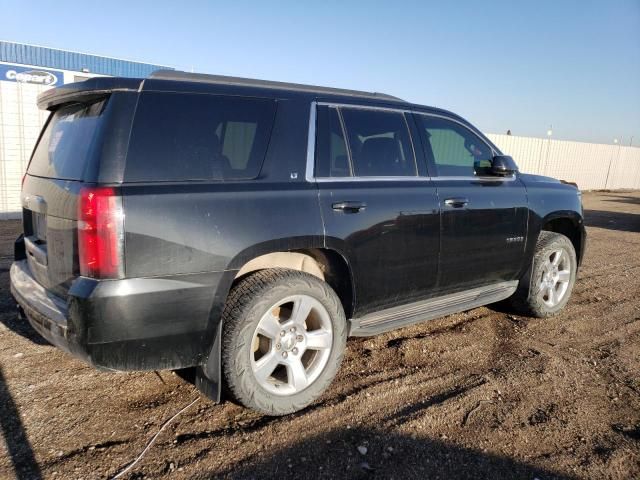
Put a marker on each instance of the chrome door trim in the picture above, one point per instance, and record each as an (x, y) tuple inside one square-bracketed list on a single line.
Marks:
[(446, 117), (347, 145), (311, 149), (414, 179), (364, 107), (311, 144), (372, 179), (484, 178)]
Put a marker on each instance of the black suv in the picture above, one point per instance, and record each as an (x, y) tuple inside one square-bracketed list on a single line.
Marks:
[(247, 228)]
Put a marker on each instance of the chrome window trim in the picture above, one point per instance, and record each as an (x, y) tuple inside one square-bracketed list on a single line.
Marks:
[(311, 144), (413, 150), (339, 107), (372, 179), (481, 178), (311, 150), (415, 179), (347, 145), (364, 107), (493, 151)]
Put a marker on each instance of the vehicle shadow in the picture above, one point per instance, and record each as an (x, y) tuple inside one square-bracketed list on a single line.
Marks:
[(623, 199), (621, 221), (17, 443), (365, 453), (9, 310), (10, 319)]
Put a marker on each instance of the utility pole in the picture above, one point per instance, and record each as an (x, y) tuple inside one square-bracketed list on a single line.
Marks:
[(615, 141), (546, 160)]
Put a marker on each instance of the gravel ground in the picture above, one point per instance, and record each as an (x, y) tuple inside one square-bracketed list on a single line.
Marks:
[(478, 394)]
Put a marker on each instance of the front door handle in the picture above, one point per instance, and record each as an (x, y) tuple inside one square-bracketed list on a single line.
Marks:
[(349, 207), (456, 202)]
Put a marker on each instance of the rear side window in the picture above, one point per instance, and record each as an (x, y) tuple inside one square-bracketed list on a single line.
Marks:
[(68, 142), (178, 137), (379, 143)]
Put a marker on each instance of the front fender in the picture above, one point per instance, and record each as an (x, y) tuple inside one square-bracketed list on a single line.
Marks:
[(549, 201)]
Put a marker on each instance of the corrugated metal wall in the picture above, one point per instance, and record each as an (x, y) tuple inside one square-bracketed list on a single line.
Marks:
[(64, 60), (20, 124), (592, 166)]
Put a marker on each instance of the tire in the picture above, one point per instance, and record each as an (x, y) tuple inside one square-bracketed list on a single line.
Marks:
[(540, 292), (267, 339)]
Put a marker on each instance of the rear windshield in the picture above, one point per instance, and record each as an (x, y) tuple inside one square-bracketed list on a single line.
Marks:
[(68, 141), (178, 137)]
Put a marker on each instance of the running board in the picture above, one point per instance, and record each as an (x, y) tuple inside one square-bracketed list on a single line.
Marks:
[(404, 315)]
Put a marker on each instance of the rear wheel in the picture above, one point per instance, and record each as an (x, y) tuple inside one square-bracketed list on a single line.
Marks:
[(547, 285), (284, 335)]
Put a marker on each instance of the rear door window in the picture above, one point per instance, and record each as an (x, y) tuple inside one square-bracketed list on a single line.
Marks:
[(68, 142), (379, 143), (178, 137)]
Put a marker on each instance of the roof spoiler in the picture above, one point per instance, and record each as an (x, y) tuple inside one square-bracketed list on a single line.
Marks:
[(80, 92)]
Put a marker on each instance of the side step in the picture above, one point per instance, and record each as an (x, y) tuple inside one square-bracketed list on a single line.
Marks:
[(404, 315)]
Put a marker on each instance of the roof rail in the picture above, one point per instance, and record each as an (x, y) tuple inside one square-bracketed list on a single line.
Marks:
[(177, 75)]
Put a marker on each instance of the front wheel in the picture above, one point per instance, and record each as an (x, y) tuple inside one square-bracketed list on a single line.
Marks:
[(548, 283), (284, 335)]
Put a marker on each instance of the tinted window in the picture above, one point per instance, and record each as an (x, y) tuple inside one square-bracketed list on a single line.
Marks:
[(379, 143), (237, 141), (332, 158), (66, 145), (198, 137), (454, 149)]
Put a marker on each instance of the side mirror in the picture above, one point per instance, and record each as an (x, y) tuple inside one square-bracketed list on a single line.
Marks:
[(503, 166)]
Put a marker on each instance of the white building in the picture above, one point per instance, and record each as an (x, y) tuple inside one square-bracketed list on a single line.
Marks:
[(25, 72)]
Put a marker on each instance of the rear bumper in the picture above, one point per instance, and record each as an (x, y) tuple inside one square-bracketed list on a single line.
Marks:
[(129, 324), (46, 313)]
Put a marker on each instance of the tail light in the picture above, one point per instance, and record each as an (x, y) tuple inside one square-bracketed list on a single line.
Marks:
[(100, 233)]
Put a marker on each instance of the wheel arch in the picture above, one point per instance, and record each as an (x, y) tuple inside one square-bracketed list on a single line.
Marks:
[(571, 225), (325, 263)]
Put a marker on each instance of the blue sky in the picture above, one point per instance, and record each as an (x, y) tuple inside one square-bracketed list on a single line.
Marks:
[(501, 64)]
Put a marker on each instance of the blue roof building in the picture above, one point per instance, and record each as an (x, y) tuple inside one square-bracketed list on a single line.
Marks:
[(25, 72), (20, 53)]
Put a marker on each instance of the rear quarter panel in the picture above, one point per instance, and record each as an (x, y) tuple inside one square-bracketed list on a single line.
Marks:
[(179, 229), (193, 229)]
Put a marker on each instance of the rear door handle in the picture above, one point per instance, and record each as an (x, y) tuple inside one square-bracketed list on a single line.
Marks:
[(349, 207), (456, 202)]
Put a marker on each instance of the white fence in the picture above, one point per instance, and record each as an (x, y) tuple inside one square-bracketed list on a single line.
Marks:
[(592, 166)]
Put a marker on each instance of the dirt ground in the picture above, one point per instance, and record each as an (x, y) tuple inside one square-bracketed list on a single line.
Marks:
[(473, 395)]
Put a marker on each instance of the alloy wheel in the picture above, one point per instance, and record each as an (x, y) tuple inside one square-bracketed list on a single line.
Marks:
[(555, 278), (291, 345)]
